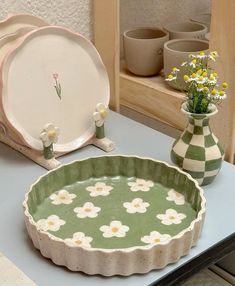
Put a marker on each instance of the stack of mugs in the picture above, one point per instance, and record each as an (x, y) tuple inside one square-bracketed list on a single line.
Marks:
[(147, 50)]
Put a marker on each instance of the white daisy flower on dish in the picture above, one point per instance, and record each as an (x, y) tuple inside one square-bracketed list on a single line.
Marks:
[(79, 239), (114, 229), (141, 185), (100, 114), (52, 223), (176, 197), (99, 189), (136, 206), (49, 134), (62, 197), (155, 237), (87, 210), (171, 216)]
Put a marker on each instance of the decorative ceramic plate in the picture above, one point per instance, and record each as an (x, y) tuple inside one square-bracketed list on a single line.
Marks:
[(114, 215), (47, 58), (14, 22)]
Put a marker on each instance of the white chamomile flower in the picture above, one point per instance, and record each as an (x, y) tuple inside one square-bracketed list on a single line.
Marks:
[(52, 223), (99, 189), (100, 114), (184, 64), (136, 206), (176, 197), (213, 56), (201, 55), (155, 237), (141, 185), (201, 80), (171, 77), (171, 217), (62, 197), (114, 229), (79, 239), (222, 95), (49, 134), (87, 210)]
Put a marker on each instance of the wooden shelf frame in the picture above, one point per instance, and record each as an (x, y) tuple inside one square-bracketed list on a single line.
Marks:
[(151, 96)]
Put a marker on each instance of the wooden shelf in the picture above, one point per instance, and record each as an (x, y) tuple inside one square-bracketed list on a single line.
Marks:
[(152, 97)]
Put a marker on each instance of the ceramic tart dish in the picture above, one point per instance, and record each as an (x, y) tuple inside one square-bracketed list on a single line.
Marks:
[(114, 215)]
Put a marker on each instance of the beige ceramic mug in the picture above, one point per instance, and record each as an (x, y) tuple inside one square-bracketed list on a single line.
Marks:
[(143, 48), (204, 18), (185, 30), (177, 51)]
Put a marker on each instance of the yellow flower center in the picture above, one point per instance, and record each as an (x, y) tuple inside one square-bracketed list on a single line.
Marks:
[(136, 205), (115, 229), (171, 217), (78, 242), (87, 210), (200, 78), (50, 222), (99, 189), (51, 134), (212, 77), (170, 76), (174, 69), (225, 85), (215, 74), (103, 113), (206, 89), (201, 53), (157, 240), (62, 197), (186, 77), (194, 61), (204, 74), (214, 92), (194, 75), (199, 72), (221, 93)]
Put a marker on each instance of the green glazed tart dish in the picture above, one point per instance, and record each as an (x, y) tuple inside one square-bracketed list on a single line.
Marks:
[(114, 215)]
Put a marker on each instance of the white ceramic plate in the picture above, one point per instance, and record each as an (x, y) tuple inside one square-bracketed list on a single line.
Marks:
[(14, 22), (29, 97)]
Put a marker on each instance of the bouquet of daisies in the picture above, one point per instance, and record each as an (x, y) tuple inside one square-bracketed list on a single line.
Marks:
[(201, 82)]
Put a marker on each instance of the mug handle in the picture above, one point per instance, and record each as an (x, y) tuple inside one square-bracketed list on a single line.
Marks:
[(160, 51)]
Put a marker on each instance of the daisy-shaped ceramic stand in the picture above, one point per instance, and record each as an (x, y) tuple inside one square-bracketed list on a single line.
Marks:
[(49, 136), (99, 117)]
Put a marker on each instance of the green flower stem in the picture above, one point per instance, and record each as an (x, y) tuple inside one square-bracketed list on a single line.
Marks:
[(100, 132), (48, 152)]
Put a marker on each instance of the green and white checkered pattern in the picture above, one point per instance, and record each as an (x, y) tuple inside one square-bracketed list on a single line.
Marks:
[(198, 151)]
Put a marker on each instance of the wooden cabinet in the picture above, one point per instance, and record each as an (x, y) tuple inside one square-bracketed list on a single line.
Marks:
[(151, 96)]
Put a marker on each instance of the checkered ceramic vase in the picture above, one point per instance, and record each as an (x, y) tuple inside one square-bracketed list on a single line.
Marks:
[(198, 151)]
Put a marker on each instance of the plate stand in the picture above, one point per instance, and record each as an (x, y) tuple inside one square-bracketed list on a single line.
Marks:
[(37, 156)]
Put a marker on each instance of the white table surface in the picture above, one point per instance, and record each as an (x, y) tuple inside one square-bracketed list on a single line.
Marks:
[(17, 173)]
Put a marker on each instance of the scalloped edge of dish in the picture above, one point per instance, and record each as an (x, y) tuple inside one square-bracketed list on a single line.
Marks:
[(109, 262)]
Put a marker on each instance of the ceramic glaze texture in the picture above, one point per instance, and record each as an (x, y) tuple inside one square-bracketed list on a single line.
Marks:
[(112, 208), (198, 150)]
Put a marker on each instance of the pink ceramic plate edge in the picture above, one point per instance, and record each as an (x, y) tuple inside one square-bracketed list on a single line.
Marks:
[(28, 140)]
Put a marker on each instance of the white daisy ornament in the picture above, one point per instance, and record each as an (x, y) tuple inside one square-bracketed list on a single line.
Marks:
[(99, 189), (176, 197), (49, 135), (52, 223), (87, 210), (171, 217), (136, 206), (79, 239), (155, 237), (114, 229), (141, 185), (100, 114), (62, 197)]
